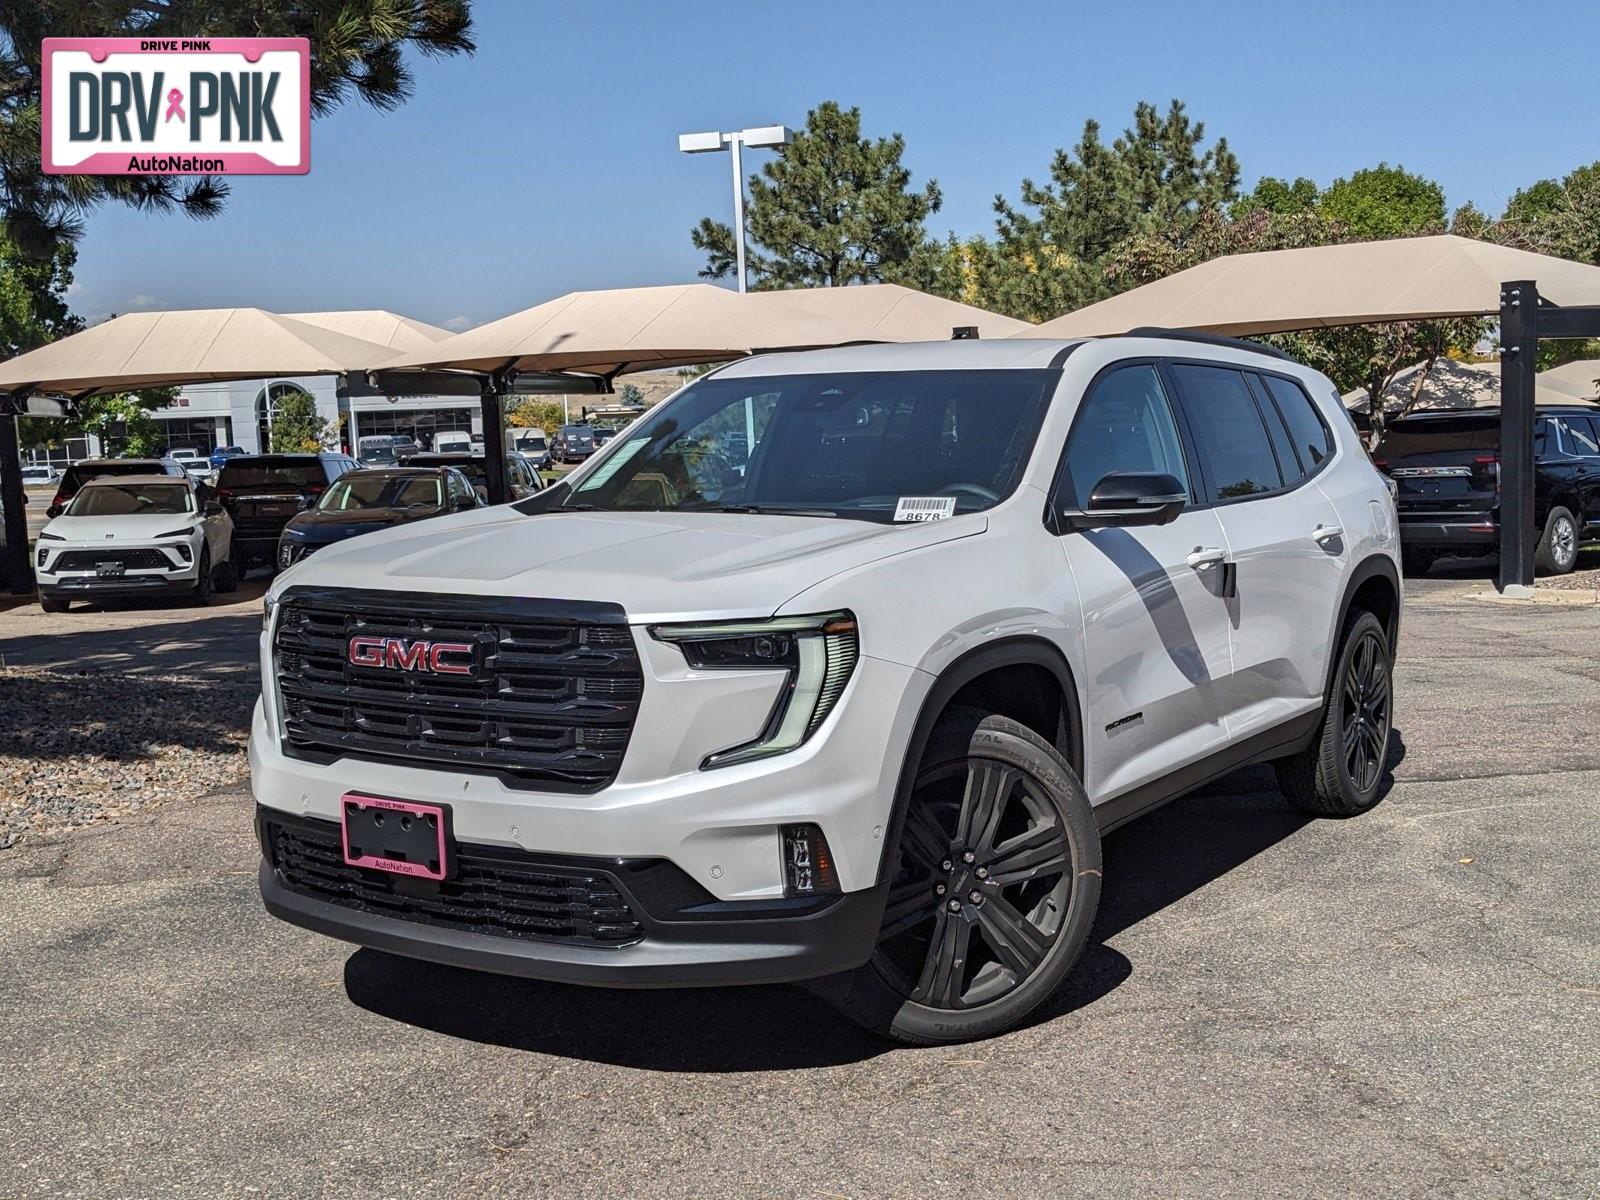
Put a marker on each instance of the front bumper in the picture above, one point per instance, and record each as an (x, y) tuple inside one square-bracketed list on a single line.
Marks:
[(686, 939), (91, 587)]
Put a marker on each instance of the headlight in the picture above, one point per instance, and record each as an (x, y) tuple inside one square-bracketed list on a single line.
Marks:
[(51, 537), (269, 605), (818, 652), (185, 532)]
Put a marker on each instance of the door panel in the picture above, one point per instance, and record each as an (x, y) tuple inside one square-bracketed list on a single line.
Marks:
[(1156, 642), (1155, 625)]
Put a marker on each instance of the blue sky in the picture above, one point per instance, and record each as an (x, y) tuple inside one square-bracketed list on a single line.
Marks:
[(548, 161)]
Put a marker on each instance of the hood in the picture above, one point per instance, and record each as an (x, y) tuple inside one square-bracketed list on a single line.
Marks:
[(330, 526), (103, 530), (659, 566)]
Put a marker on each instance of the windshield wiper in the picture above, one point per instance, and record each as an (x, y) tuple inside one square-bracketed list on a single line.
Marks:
[(776, 511)]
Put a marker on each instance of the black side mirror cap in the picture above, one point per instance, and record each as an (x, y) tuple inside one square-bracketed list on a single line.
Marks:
[(53, 511), (1127, 498), (213, 508)]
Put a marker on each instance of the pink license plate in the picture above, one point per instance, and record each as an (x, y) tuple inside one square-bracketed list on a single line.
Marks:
[(398, 836)]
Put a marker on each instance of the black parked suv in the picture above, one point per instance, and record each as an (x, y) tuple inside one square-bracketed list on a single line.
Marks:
[(263, 491), (1446, 470)]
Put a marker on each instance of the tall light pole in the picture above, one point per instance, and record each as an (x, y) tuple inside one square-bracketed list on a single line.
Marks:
[(766, 137)]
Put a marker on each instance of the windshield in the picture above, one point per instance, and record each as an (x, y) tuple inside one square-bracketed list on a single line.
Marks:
[(532, 443), (131, 500), (851, 445), (357, 491), (264, 471)]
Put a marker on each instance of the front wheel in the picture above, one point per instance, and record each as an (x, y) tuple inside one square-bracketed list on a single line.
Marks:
[(201, 595), (1340, 774), (51, 604), (994, 891)]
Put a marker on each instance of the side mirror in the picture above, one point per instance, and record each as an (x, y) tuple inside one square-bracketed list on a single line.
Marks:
[(213, 508), (1125, 498), (53, 511), (464, 503)]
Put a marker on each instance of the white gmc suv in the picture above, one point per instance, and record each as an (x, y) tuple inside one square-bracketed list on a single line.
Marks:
[(835, 667)]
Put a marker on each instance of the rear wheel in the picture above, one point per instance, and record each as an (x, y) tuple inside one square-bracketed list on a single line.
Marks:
[(1417, 562), (994, 893), (1341, 773), (226, 577), (1558, 548)]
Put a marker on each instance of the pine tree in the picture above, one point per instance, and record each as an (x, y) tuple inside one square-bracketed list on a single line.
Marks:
[(833, 208)]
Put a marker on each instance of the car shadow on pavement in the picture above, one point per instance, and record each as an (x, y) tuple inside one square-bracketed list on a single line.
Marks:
[(1149, 864), (197, 646)]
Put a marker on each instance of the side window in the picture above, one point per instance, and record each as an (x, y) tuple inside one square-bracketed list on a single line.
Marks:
[(1125, 424), (1231, 438), (1580, 436), (1312, 438), (1290, 465), (1546, 438)]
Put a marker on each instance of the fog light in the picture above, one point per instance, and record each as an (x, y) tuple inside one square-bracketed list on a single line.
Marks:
[(807, 862), (183, 553), (43, 553)]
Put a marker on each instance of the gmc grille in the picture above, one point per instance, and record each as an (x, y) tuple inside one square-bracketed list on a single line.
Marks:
[(551, 704), (509, 893)]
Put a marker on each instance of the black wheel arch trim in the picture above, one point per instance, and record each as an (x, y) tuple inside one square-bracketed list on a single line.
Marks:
[(1373, 567), (1018, 650)]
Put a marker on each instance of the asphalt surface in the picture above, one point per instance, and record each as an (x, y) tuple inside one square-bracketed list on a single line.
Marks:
[(1407, 1003)]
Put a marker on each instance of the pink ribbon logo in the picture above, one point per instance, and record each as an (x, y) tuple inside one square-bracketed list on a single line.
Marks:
[(175, 106)]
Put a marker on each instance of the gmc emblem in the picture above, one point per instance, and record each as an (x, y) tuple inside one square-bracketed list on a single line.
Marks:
[(397, 654)]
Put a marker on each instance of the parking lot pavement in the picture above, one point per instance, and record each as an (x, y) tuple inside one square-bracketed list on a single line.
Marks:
[(1407, 1003)]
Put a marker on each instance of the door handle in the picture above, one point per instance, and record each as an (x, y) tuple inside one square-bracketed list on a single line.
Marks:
[(1326, 533), (1206, 557)]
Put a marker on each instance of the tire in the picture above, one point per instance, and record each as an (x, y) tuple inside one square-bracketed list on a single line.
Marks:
[(1340, 774), (52, 604), (1557, 552), (225, 579), (200, 596), (1417, 562), (941, 976)]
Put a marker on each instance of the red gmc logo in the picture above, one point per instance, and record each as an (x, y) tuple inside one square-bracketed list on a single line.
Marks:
[(397, 654)]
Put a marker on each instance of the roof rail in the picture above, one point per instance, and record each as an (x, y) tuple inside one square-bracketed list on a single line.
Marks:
[(1208, 339)]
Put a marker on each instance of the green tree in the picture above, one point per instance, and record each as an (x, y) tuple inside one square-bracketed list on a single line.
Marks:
[(630, 394), (1051, 253), (529, 413), (357, 51), (1278, 196), (832, 208), (296, 426), (1384, 202), (122, 422), (1557, 218)]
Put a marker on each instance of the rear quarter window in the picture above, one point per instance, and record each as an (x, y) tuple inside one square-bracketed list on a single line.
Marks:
[(1312, 438)]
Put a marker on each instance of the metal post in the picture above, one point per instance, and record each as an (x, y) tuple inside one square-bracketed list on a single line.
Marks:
[(1519, 354), (735, 144), (18, 569), (494, 441)]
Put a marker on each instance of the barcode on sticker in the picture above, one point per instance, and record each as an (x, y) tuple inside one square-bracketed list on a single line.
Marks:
[(924, 508)]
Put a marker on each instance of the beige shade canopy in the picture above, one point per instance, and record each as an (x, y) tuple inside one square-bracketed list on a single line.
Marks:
[(1357, 283), (1453, 385), (379, 325), (1577, 380), (632, 329), (161, 349), (890, 312)]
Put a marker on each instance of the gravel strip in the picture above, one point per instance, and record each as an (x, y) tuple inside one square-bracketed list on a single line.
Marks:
[(1577, 581), (77, 748)]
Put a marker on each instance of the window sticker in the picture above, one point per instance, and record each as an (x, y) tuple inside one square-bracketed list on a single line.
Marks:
[(912, 509)]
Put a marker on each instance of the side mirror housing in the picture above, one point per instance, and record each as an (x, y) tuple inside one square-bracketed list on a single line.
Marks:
[(53, 511), (213, 508), (1127, 498), (464, 503)]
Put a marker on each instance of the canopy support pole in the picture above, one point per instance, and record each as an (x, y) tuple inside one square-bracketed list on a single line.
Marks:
[(1519, 356), (493, 389), (1524, 320), (18, 569)]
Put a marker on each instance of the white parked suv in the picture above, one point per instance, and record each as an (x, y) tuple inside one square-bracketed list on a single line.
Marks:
[(136, 535), (835, 667)]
